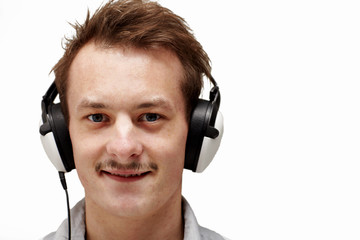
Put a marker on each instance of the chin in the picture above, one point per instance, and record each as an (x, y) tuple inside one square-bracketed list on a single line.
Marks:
[(129, 206)]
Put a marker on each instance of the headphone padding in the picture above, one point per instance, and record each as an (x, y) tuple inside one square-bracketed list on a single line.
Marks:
[(199, 120), (61, 135)]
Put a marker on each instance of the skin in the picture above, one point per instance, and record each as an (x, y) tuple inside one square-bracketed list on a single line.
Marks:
[(127, 117)]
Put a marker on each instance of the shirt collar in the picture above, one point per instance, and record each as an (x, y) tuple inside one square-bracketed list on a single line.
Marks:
[(191, 226)]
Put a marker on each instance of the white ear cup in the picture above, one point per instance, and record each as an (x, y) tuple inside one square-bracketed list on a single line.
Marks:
[(50, 147), (210, 146)]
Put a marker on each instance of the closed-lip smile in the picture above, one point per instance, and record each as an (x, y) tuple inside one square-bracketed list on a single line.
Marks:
[(125, 176)]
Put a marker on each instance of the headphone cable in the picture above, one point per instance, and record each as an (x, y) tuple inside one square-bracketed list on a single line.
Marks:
[(63, 183)]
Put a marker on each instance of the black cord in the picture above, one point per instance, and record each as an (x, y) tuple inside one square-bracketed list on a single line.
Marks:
[(63, 183)]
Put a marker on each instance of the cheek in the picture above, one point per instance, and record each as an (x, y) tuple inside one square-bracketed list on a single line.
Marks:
[(171, 164), (85, 149), (86, 153), (170, 150)]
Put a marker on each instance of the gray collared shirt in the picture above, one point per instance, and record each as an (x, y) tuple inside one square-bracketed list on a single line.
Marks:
[(192, 230)]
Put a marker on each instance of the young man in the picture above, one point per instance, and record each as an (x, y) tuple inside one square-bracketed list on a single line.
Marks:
[(128, 83)]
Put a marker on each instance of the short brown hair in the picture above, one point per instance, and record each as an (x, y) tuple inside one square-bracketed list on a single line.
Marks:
[(139, 24)]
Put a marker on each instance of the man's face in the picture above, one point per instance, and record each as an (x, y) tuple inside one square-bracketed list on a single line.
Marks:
[(128, 127)]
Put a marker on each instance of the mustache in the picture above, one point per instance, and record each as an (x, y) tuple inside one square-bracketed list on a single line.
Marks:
[(135, 166)]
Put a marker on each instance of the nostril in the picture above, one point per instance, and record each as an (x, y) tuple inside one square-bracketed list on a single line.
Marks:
[(124, 148)]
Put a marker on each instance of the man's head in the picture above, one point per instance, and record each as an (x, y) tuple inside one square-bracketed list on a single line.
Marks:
[(138, 24), (127, 82), (128, 128)]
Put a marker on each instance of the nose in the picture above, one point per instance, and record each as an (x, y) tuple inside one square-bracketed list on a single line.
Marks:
[(123, 143)]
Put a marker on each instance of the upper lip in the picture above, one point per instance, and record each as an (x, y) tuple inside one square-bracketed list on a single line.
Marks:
[(125, 173)]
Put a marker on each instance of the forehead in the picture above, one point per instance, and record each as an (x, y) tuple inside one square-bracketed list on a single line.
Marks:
[(99, 59), (121, 72)]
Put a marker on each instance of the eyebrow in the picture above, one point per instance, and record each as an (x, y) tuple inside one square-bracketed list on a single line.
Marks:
[(155, 102), (87, 103), (151, 103)]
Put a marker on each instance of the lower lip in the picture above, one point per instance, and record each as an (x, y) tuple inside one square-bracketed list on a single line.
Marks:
[(125, 179)]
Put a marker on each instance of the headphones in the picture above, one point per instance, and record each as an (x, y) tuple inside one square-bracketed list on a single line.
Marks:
[(203, 140)]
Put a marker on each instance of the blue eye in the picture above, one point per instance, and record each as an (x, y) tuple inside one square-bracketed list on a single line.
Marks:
[(150, 117), (96, 117)]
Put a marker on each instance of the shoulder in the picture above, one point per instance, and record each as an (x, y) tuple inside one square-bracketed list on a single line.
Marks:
[(210, 235), (193, 230), (77, 225), (49, 236)]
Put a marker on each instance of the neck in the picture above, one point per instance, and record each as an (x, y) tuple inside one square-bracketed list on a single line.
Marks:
[(165, 223)]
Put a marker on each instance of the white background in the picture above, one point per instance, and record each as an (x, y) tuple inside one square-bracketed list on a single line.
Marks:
[(289, 72)]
